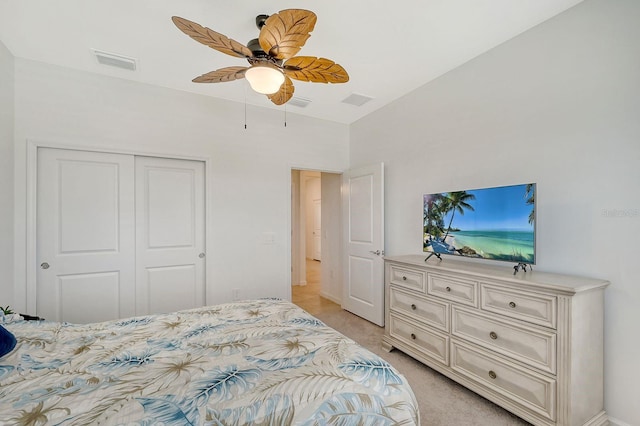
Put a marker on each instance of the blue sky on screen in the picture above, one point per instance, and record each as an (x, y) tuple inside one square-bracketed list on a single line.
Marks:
[(502, 208)]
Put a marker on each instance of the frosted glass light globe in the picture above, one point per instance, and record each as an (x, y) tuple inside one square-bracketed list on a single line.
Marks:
[(264, 79)]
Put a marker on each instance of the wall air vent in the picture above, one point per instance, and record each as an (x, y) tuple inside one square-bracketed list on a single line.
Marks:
[(356, 99), (114, 60), (299, 102)]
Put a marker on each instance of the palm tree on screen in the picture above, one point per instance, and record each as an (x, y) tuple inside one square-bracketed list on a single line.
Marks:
[(457, 202), (529, 194), (433, 213)]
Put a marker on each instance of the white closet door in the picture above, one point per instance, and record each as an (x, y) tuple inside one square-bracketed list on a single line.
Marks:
[(170, 243), (85, 236)]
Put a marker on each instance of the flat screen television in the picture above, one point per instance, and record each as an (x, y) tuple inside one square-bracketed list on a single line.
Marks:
[(488, 223)]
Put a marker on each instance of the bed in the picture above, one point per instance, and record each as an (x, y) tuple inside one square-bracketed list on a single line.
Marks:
[(250, 362)]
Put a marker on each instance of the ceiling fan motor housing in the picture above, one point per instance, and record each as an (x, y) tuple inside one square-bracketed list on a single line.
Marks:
[(254, 45), (260, 55)]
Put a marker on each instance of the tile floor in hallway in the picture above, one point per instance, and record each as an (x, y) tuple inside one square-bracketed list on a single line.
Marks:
[(308, 296)]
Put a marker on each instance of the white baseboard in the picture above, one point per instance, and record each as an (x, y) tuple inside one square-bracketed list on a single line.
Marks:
[(599, 419), (616, 422), (330, 297)]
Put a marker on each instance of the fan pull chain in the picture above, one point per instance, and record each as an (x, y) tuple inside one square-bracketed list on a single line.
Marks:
[(245, 107), (285, 104)]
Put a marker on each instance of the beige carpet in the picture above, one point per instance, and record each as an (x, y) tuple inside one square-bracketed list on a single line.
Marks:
[(441, 400)]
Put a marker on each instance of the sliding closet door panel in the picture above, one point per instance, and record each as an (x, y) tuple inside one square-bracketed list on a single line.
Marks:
[(170, 211), (165, 295), (85, 233), (88, 207), (170, 221), (102, 290)]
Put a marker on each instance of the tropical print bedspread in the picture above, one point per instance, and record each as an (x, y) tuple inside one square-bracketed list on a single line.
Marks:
[(254, 362)]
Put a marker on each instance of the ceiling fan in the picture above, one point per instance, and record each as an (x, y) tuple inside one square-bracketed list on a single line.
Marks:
[(271, 56)]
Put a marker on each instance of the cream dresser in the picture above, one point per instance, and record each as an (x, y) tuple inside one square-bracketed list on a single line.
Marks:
[(530, 342)]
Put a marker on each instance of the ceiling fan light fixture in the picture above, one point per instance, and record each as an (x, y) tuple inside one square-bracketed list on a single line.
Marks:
[(264, 79), (281, 37)]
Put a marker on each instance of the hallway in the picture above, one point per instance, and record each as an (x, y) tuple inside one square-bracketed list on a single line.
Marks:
[(308, 296)]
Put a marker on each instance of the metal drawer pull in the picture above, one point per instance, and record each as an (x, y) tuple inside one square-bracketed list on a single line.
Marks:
[(413, 336), (493, 335), (512, 304), (413, 306), (404, 278), (492, 374), (448, 288)]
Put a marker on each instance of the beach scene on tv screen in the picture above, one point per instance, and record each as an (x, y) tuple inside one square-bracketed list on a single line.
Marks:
[(489, 223)]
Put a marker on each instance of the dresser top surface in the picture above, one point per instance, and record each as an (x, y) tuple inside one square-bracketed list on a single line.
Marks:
[(530, 278)]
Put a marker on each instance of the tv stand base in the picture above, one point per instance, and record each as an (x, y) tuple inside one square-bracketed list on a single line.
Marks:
[(522, 266), (433, 254)]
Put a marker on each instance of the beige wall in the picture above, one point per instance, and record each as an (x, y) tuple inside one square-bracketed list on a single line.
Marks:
[(6, 175), (312, 194), (248, 183), (559, 105), (332, 233)]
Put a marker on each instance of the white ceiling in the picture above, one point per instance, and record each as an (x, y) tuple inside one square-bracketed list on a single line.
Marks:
[(388, 48)]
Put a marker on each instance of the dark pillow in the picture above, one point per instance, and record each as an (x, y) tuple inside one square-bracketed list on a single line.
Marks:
[(7, 341)]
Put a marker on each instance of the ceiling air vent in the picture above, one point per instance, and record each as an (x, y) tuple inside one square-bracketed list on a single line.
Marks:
[(356, 99), (114, 60), (299, 102)]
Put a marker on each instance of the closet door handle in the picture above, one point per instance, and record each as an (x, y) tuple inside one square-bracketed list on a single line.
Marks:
[(44, 265), (201, 255)]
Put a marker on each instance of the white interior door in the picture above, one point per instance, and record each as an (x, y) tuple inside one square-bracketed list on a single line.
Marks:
[(170, 243), (85, 235), (363, 203)]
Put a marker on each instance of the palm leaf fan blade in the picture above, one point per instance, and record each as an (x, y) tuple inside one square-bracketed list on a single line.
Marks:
[(315, 70), (222, 75), (211, 38), (285, 32), (285, 93)]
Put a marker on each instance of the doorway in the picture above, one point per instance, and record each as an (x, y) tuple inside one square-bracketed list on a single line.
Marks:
[(352, 238), (316, 236)]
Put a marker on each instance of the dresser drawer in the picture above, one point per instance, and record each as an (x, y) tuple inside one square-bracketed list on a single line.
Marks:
[(428, 342), (526, 344), (430, 312), (534, 391), (457, 290), (530, 307), (413, 279)]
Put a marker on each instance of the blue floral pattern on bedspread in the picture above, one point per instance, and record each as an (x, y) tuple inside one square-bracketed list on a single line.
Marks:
[(253, 362)]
